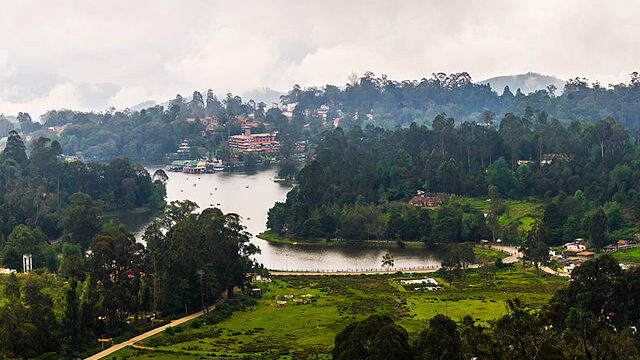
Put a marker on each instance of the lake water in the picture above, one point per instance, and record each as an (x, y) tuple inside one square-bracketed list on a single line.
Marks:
[(250, 195)]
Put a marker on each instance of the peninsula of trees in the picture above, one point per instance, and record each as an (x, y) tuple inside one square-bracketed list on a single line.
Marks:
[(357, 185)]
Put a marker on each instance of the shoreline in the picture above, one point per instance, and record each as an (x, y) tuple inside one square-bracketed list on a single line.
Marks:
[(276, 239)]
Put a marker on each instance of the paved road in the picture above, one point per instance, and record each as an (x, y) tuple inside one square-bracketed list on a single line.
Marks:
[(515, 255), (149, 333)]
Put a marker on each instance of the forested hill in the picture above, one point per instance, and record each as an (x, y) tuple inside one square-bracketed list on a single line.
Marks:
[(153, 134), (43, 197), (527, 83), (358, 184), (384, 102)]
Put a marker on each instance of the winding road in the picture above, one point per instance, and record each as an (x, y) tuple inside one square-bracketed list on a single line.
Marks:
[(515, 255), (159, 329)]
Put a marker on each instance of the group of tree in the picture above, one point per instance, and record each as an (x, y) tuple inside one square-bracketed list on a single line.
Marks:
[(45, 198), (157, 132), (154, 132), (352, 183), (197, 257), (189, 262), (453, 222), (595, 317), (392, 103)]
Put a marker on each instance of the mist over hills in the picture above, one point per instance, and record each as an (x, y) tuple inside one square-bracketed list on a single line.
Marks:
[(265, 95), (527, 83)]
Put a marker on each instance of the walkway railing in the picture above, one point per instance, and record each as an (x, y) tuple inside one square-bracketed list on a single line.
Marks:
[(359, 270)]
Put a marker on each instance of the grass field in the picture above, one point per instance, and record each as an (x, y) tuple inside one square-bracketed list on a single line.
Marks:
[(521, 211), (329, 303), (488, 255), (628, 255)]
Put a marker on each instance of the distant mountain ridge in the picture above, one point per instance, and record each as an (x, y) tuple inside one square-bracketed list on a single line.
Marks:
[(527, 83), (265, 95)]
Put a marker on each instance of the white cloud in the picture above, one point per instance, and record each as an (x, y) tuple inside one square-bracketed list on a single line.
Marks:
[(120, 52), (128, 97), (5, 69), (62, 96)]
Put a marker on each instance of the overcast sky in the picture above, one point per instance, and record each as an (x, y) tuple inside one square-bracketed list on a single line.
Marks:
[(89, 55)]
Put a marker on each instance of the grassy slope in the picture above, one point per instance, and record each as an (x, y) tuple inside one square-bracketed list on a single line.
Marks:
[(271, 331), (523, 211), (488, 255), (628, 255)]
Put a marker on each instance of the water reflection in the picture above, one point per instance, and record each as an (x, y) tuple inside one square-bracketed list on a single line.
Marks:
[(250, 195)]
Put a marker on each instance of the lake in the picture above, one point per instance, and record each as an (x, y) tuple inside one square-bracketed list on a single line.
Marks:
[(250, 194)]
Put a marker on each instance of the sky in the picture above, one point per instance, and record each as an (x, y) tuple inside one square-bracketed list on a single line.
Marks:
[(91, 55)]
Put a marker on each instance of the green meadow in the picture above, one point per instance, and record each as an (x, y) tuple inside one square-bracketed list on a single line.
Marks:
[(318, 307), (628, 255)]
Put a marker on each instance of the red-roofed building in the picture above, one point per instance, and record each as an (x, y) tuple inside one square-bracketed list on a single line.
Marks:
[(586, 254), (207, 120), (254, 142)]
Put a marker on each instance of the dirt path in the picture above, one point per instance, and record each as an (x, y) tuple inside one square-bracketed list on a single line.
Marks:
[(149, 333)]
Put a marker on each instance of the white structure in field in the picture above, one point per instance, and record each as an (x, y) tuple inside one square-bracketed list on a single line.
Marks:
[(27, 263)]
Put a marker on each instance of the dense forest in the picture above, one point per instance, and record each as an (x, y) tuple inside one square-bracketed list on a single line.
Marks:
[(53, 209), (595, 317), (111, 290), (391, 103), (155, 133), (357, 184), (46, 199)]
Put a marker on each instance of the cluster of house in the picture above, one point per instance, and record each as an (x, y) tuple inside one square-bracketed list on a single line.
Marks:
[(577, 250), (549, 158), (196, 166), (58, 129), (575, 253), (322, 111), (431, 200), (619, 245), (211, 122), (572, 255)]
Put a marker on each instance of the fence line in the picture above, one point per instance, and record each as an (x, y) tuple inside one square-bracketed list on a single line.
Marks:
[(359, 270)]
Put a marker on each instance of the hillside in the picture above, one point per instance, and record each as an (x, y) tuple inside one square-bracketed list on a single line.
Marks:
[(527, 83)]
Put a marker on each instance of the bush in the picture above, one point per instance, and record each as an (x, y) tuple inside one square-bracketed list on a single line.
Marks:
[(500, 264), (196, 324), (226, 309)]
